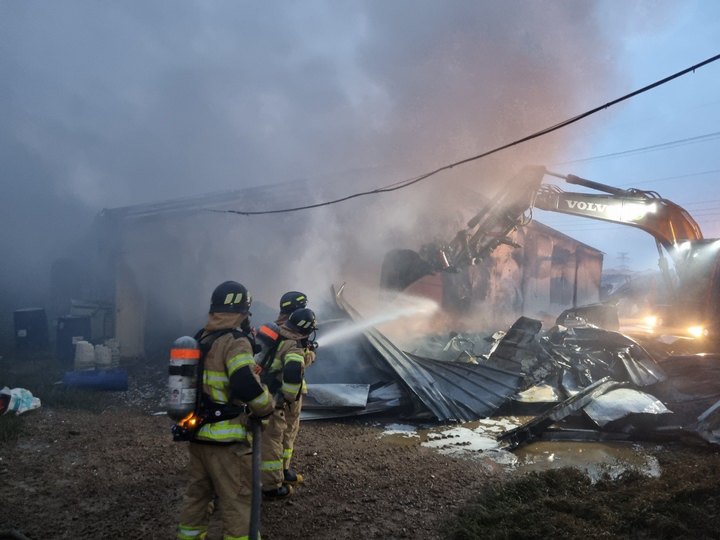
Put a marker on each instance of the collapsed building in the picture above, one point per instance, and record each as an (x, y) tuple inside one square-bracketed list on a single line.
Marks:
[(580, 377), (577, 382)]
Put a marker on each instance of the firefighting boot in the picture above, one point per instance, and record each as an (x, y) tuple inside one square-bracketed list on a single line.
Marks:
[(278, 493), (291, 477)]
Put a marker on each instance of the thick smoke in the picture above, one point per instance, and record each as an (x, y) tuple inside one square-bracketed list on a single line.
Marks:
[(107, 105)]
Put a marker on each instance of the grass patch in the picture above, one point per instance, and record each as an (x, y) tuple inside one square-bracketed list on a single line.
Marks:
[(683, 503)]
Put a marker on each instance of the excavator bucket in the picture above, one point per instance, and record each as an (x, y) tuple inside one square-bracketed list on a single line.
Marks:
[(439, 271)]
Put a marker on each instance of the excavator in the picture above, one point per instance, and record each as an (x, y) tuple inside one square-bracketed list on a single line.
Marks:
[(692, 306)]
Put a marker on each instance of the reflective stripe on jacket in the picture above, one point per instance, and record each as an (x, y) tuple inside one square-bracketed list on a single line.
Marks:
[(288, 367), (227, 356)]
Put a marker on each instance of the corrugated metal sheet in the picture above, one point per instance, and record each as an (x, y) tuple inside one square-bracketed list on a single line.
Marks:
[(617, 354), (336, 396), (472, 390), (535, 427), (450, 391)]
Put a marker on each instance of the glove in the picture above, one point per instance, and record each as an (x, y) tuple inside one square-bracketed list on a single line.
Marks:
[(309, 357), (262, 421)]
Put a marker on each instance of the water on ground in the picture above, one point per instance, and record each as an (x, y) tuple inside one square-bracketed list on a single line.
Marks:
[(477, 441)]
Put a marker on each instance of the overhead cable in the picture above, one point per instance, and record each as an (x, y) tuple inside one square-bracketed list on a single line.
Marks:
[(409, 182), (651, 148), (666, 178)]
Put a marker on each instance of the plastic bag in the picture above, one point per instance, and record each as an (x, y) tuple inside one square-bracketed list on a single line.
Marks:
[(21, 400)]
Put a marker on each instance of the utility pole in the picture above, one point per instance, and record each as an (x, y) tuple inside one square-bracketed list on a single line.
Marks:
[(624, 258)]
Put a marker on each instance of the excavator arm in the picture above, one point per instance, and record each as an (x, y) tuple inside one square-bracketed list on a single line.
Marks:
[(510, 208), (494, 223), (695, 294), (667, 222), (693, 309)]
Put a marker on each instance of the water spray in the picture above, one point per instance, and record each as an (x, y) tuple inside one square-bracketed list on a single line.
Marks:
[(418, 306)]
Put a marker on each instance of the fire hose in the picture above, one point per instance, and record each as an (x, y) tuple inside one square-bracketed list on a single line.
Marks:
[(256, 498)]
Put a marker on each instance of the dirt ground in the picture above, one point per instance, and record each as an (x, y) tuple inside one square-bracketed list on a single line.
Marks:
[(101, 465), (114, 472), (117, 474)]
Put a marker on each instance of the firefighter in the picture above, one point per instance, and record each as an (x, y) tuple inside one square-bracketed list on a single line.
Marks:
[(289, 302), (220, 452), (283, 371)]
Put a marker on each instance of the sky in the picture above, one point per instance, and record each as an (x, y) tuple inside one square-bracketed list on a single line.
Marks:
[(112, 104), (688, 173)]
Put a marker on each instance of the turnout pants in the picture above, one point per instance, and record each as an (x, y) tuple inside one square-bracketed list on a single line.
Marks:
[(272, 450), (292, 419), (225, 470)]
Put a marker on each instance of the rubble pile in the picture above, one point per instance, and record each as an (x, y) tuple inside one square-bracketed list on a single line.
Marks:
[(578, 382)]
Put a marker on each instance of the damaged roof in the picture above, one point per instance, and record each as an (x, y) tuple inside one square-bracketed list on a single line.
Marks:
[(449, 391), (594, 375)]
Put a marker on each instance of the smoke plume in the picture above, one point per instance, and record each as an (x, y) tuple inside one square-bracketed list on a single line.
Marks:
[(113, 104)]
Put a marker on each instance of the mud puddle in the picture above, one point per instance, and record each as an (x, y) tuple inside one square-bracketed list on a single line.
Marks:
[(477, 441)]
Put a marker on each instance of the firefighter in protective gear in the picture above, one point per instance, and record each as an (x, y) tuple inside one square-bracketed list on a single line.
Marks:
[(290, 302), (220, 451), (284, 372)]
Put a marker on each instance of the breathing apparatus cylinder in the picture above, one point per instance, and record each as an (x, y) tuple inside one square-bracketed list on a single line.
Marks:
[(182, 377), (266, 338)]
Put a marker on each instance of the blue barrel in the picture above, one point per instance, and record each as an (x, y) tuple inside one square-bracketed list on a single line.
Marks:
[(31, 328), (114, 380)]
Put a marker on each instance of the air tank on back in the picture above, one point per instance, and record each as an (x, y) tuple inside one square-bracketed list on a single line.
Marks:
[(183, 377)]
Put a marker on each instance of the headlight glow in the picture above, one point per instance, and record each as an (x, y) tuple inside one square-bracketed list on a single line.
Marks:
[(697, 331), (651, 321)]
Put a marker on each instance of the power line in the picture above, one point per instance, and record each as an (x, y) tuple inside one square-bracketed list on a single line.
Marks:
[(409, 182), (708, 201), (651, 148), (666, 178)]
